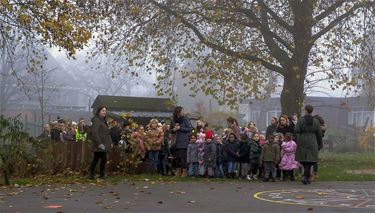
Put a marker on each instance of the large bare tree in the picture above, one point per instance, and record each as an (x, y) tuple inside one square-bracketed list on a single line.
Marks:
[(237, 43)]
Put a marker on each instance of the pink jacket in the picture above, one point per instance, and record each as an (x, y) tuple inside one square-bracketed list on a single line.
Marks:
[(288, 151), (200, 142)]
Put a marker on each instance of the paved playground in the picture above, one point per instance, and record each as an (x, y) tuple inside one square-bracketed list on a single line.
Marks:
[(201, 196)]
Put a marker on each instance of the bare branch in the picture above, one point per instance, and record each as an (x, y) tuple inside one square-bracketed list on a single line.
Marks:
[(204, 40)]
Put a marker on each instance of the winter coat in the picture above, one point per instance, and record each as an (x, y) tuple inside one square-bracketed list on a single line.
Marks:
[(244, 152), (68, 136), (181, 135), (231, 150), (309, 139), (115, 135), (270, 153), (139, 138), (255, 152), (153, 140), (200, 141), (284, 129), (270, 130), (100, 135), (236, 129), (210, 154), (192, 153), (288, 151), (219, 153)]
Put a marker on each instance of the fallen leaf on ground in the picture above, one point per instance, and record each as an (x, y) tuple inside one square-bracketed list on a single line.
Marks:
[(108, 207), (12, 193), (300, 197), (53, 207)]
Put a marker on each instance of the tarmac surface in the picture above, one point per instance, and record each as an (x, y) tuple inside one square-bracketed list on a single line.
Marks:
[(200, 196)]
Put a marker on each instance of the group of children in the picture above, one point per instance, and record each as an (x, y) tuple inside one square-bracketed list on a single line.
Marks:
[(249, 156)]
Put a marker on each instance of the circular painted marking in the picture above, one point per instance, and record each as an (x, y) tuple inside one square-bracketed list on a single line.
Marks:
[(359, 198)]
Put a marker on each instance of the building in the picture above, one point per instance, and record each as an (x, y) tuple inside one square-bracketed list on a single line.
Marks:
[(337, 112), (141, 109)]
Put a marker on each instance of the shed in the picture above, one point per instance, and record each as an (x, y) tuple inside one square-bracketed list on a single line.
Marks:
[(141, 109)]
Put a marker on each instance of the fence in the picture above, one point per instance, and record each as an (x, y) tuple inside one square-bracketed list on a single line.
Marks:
[(77, 156)]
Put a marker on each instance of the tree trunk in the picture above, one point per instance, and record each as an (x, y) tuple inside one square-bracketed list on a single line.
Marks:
[(292, 94)]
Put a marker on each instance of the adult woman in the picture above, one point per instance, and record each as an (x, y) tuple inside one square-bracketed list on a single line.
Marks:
[(272, 128), (285, 125), (309, 142), (233, 125), (181, 130), (101, 141)]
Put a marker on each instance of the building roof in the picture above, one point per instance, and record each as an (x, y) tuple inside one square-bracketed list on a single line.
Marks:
[(133, 104)]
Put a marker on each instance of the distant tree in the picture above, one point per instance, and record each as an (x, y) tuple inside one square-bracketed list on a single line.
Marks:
[(366, 69), (236, 43)]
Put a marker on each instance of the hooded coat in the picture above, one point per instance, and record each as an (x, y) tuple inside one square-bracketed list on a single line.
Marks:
[(309, 139)]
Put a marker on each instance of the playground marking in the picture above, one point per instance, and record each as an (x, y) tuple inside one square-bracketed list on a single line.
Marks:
[(321, 197)]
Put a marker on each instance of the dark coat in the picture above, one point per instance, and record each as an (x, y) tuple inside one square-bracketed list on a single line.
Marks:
[(115, 135), (284, 129), (210, 154), (181, 135), (219, 153), (309, 139), (231, 150), (192, 153), (244, 152), (255, 152), (100, 135), (270, 130)]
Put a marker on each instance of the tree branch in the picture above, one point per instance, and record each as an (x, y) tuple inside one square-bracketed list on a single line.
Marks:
[(338, 20), (205, 41), (276, 51), (279, 20), (328, 11)]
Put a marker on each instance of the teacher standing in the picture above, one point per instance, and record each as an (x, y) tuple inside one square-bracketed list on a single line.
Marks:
[(181, 130), (101, 141), (309, 142)]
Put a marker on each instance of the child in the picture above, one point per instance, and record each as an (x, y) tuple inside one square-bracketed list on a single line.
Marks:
[(262, 141), (154, 139), (244, 159), (192, 157), (269, 158), (210, 155), (232, 149), (255, 152), (200, 142), (219, 172), (139, 136), (278, 140), (288, 151)]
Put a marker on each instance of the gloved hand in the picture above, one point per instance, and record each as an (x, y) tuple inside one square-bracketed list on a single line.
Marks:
[(101, 146)]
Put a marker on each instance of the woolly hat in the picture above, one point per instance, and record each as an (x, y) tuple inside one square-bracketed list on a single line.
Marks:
[(209, 135)]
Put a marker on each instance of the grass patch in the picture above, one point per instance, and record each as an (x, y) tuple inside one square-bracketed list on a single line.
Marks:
[(347, 167), (332, 167)]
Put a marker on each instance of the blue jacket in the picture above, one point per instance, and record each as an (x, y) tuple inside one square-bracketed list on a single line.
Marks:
[(232, 149), (192, 153), (244, 152), (182, 135)]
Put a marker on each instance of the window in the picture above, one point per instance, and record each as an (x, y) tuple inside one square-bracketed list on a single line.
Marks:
[(274, 113), (359, 119), (254, 116)]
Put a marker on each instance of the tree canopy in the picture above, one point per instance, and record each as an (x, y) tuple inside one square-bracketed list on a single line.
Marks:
[(232, 48), (53, 22)]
